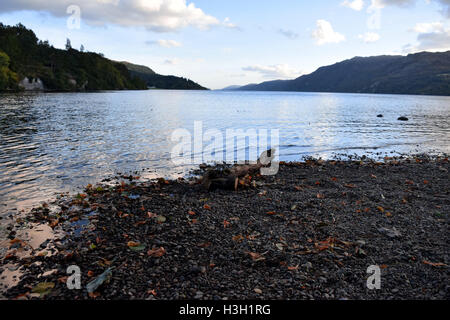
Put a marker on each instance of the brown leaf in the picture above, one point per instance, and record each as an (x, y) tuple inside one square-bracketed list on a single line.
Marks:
[(238, 238), (156, 253), (320, 196), (434, 264), (271, 213), (226, 224), (133, 244), (293, 268), (256, 256), (207, 207), (191, 213), (54, 223)]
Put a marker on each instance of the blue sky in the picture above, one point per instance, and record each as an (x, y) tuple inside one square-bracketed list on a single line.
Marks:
[(229, 42)]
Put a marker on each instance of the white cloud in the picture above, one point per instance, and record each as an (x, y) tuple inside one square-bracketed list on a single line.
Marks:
[(279, 71), (325, 33), (357, 5), (172, 61), (155, 15), (428, 27), (432, 36), (369, 37), (228, 24), (165, 43)]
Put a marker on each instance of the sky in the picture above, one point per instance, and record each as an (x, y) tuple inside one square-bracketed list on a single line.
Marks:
[(219, 43)]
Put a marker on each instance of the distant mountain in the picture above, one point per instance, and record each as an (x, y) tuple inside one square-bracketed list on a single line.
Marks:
[(422, 73), (154, 80), (230, 88)]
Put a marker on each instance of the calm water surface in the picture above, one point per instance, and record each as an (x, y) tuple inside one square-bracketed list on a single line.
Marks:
[(60, 142)]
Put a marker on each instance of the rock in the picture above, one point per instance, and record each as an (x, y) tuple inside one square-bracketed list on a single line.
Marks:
[(403, 119), (380, 116), (391, 233), (258, 291), (307, 265), (361, 243)]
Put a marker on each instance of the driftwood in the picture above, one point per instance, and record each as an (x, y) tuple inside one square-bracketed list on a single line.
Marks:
[(230, 179)]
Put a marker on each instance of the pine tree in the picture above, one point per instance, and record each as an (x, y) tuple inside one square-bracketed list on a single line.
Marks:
[(68, 44)]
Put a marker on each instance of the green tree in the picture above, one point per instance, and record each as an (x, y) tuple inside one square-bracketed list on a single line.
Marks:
[(68, 44), (8, 79)]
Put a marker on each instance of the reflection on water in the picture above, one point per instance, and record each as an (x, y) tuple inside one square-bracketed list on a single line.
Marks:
[(59, 142)]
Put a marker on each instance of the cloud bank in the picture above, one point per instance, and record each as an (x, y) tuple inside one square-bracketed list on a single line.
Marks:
[(279, 71), (432, 36), (155, 15)]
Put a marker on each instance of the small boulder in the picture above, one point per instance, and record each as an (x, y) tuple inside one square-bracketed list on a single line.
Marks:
[(403, 119), (380, 116)]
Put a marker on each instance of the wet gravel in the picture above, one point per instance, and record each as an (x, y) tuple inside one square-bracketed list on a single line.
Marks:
[(310, 232)]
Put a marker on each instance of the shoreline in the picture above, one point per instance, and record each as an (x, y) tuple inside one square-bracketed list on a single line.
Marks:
[(309, 232)]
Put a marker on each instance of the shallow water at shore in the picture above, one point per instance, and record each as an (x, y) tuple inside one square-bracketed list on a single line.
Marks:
[(51, 143)]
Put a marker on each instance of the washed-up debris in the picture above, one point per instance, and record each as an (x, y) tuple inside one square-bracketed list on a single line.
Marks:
[(92, 286), (238, 175)]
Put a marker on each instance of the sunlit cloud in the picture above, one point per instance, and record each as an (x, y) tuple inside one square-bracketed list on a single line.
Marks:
[(324, 33), (165, 43), (357, 5), (155, 15)]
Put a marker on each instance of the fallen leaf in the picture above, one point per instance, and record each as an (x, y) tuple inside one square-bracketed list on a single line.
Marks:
[(191, 213), (381, 209), (133, 244), (238, 238), (161, 219), (90, 273), (226, 224), (43, 288), (320, 196), (207, 207), (293, 268), (156, 252), (434, 264), (349, 185), (271, 213), (256, 256)]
